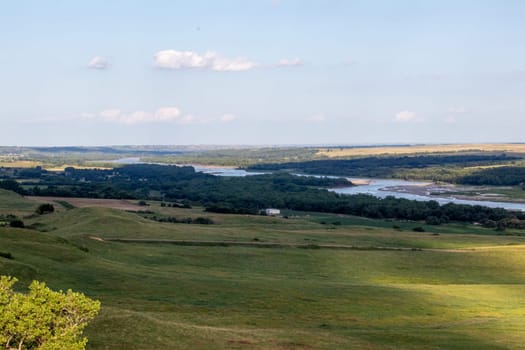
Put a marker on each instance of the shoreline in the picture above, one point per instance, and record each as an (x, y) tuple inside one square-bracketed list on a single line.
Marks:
[(450, 191)]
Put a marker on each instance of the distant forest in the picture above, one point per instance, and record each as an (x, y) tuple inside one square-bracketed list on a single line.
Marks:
[(459, 169), (243, 195), (500, 176)]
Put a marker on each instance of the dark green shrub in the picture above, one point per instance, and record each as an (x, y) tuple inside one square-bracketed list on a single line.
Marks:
[(433, 220), (6, 255), (203, 221), (16, 223), (45, 208)]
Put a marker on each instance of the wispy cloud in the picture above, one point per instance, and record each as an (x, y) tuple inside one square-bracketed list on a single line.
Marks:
[(296, 62), (168, 114), (407, 116), (228, 118), (161, 115), (98, 62), (180, 60), (177, 60), (108, 114)]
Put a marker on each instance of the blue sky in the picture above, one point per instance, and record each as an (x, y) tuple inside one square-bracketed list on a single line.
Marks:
[(261, 72)]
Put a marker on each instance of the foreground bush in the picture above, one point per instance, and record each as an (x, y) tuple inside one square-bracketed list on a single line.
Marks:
[(43, 319)]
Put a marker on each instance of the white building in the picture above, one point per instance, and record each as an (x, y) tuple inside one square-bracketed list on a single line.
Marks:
[(272, 212)]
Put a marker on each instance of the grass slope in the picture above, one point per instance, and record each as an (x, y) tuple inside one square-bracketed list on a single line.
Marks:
[(13, 203), (177, 297)]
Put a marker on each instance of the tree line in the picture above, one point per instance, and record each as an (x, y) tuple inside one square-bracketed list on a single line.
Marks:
[(460, 169), (245, 195)]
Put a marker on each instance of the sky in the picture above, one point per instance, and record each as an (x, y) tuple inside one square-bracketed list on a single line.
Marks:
[(259, 72)]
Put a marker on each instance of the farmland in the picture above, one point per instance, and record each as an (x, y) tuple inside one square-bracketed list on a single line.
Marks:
[(420, 149)]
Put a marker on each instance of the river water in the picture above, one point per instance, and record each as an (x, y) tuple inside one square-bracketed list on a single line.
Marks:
[(419, 191), (415, 190), (220, 171)]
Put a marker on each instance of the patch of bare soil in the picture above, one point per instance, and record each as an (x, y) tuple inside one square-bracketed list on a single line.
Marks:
[(359, 182)]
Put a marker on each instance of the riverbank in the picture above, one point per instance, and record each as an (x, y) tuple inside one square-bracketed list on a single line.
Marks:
[(470, 193), (426, 191)]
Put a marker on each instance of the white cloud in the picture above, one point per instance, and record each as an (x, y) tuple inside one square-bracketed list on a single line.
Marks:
[(87, 115), (296, 62), (137, 117), (227, 118), (316, 118), (171, 59), (233, 65), (458, 110), (407, 116), (167, 114), (161, 115), (98, 62), (176, 60), (110, 114)]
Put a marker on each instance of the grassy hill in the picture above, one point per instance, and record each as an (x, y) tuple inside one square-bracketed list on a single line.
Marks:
[(465, 289), (13, 203)]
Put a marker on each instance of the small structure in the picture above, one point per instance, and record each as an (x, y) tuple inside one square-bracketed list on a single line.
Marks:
[(272, 212)]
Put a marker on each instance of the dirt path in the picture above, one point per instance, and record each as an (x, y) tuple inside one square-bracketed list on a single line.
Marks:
[(257, 244)]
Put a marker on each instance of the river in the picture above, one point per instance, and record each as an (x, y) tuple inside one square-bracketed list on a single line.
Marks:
[(415, 190), (419, 191)]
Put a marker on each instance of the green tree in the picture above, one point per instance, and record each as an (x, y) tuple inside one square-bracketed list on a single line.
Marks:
[(43, 319), (17, 223), (45, 208), (12, 185)]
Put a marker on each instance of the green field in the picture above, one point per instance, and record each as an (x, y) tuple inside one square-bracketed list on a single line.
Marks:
[(461, 287)]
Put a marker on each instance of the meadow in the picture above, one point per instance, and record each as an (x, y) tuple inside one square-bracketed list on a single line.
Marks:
[(457, 286)]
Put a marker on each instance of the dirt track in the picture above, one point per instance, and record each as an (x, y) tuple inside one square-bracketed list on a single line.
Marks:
[(258, 244)]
